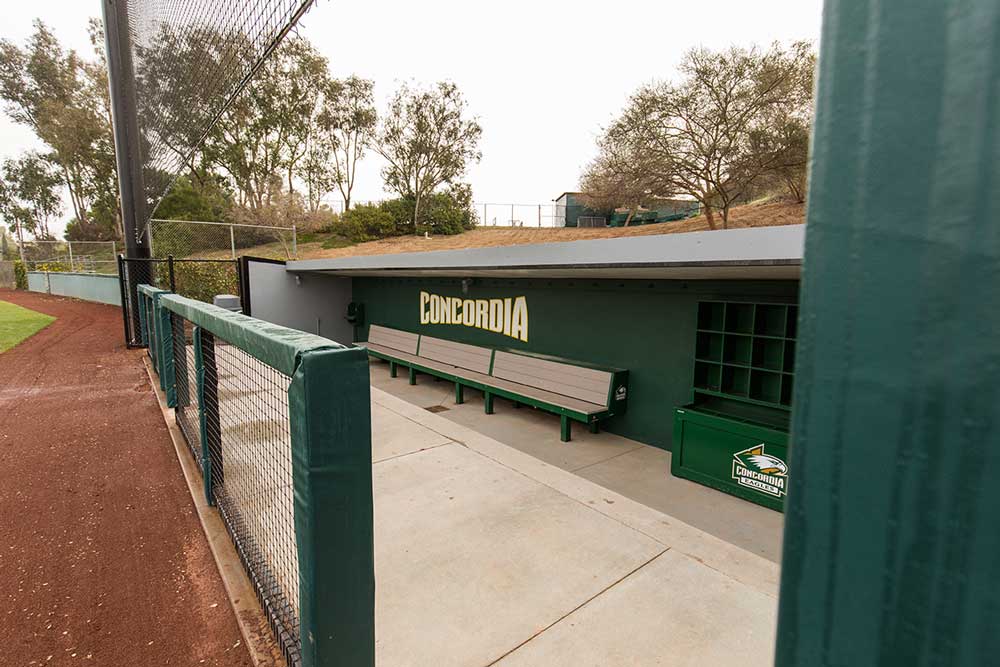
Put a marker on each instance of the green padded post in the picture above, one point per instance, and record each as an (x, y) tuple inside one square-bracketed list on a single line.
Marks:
[(141, 310), (565, 428), (891, 533), (413, 376), (459, 394), (165, 345), (488, 402), (332, 459)]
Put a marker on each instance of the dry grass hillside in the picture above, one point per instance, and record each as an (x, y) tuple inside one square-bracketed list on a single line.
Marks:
[(752, 215)]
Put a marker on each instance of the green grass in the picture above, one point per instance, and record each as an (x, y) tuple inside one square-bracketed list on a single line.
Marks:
[(17, 324)]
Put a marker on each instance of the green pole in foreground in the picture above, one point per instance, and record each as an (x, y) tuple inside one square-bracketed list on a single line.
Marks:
[(892, 537)]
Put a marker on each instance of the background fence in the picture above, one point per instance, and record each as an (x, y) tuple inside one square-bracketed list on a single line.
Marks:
[(199, 279), (69, 256), (287, 465), (215, 240)]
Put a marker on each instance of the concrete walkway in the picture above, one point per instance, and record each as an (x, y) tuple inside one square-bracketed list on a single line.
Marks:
[(486, 555), (635, 470)]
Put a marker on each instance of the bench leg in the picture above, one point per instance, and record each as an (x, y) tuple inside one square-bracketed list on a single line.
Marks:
[(459, 394), (392, 369), (413, 376), (488, 402), (517, 404), (595, 427), (564, 428)]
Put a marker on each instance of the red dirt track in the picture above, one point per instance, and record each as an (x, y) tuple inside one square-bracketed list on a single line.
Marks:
[(102, 558)]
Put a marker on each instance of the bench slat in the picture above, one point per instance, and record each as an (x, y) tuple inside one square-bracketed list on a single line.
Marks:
[(403, 341), (462, 355), (586, 384)]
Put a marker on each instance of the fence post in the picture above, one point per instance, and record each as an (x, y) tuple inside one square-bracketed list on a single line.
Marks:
[(295, 243), (539, 215), (331, 472), (232, 241), (208, 397), (164, 343), (121, 287), (170, 273), (69, 244)]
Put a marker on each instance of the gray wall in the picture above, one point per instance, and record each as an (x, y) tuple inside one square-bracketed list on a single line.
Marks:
[(315, 303), (87, 286)]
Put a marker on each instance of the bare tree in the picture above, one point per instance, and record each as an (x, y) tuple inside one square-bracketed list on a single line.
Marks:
[(715, 134), (427, 141)]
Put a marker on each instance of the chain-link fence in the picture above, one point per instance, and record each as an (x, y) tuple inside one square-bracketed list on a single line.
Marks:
[(71, 256), (215, 240)]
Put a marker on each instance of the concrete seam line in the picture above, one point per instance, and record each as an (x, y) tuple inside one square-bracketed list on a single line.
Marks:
[(579, 606), (416, 451), (610, 458), (249, 616)]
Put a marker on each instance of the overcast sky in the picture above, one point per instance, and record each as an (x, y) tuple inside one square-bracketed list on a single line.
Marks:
[(543, 76)]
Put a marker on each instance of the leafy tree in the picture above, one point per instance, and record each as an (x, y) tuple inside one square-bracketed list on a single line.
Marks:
[(29, 195), (342, 130), (64, 99), (203, 197), (427, 141), (737, 117), (262, 137)]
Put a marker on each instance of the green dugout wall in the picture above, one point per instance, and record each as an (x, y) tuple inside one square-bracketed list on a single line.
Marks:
[(645, 326)]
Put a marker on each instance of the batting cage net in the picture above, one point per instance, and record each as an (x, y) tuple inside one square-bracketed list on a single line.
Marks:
[(190, 59), (278, 423)]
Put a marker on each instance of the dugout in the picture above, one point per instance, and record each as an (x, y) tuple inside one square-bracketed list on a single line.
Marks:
[(704, 318)]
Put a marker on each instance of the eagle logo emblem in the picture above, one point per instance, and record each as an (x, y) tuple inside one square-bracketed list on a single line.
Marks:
[(755, 459), (758, 470)]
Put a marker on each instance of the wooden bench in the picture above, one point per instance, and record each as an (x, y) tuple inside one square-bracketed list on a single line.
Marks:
[(574, 391)]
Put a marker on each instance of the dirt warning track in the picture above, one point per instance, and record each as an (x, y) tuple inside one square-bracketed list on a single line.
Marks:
[(103, 560)]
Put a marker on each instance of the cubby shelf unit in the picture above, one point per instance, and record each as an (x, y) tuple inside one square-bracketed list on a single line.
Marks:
[(746, 351)]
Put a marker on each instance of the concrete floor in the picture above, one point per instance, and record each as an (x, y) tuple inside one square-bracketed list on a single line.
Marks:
[(635, 470), (486, 555)]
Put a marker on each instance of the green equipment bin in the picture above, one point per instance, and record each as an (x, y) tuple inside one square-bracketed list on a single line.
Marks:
[(733, 436)]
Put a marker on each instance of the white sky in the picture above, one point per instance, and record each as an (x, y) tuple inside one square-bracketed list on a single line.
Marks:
[(542, 76)]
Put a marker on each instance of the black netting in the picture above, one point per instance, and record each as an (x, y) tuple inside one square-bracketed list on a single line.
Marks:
[(191, 58), (249, 448)]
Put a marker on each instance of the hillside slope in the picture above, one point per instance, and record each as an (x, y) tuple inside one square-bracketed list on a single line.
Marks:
[(751, 215)]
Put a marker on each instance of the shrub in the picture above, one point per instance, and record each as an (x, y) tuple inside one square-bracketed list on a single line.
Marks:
[(448, 212), (20, 275), (365, 223), (201, 280)]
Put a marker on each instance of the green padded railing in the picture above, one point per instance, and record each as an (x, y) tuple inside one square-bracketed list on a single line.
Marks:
[(284, 447), (152, 323)]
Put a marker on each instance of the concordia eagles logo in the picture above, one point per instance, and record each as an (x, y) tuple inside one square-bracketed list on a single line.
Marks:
[(762, 472)]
